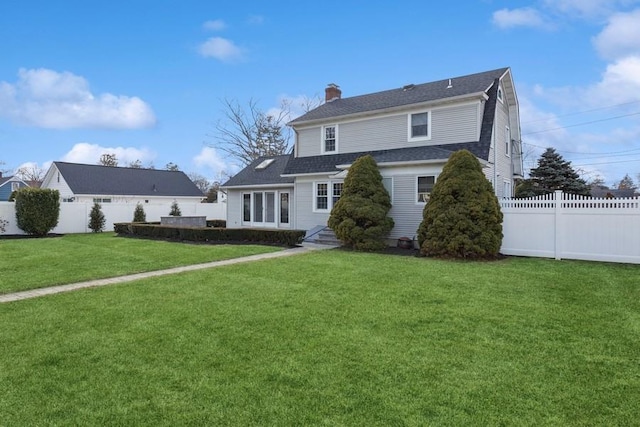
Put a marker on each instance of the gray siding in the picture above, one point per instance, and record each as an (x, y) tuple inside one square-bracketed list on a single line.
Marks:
[(234, 209), (305, 217), (452, 124)]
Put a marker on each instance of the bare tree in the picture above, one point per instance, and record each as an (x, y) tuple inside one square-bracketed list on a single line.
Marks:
[(172, 167), (200, 181), (32, 173), (137, 164), (626, 183), (249, 133), (108, 159)]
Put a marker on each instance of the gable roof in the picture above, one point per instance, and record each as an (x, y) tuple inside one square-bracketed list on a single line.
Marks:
[(408, 95), (428, 153), (109, 180), (13, 178), (270, 175)]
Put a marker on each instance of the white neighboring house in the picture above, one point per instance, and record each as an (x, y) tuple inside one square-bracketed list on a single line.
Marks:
[(410, 131), (107, 184)]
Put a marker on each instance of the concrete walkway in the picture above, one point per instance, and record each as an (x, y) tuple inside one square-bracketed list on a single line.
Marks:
[(34, 293)]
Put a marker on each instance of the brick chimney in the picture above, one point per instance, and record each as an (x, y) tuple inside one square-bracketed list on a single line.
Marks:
[(332, 92)]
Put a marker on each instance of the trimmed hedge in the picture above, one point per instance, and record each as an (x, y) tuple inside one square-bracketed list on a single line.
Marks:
[(209, 234), (218, 223), (37, 210)]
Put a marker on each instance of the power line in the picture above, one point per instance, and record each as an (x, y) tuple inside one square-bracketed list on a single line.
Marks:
[(583, 153), (608, 163), (583, 123), (585, 111)]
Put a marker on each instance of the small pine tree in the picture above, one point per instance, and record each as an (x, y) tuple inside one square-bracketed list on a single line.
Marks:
[(175, 209), (96, 218), (138, 214), (359, 218), (462, 218)]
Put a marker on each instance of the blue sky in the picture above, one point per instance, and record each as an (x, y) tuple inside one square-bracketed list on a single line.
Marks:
[(145, 79)]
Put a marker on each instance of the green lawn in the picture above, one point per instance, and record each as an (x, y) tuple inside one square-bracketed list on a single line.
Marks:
[(36, 263), (333, 338)]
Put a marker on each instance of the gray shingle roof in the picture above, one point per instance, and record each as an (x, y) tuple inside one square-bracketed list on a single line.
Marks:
[(328, 163), (107, 180), (269, 175), (463, 85)]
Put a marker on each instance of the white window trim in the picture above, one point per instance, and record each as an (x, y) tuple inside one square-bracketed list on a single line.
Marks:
[(322, 139), (507, 141), (391, 193), (329, 195), (500, 94), (415, 192), (506, 184), (419, 138)]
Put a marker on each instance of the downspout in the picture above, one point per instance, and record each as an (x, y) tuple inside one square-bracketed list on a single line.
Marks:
[(495, 157)]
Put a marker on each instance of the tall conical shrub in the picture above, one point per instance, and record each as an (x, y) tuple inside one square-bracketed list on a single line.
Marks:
[(96, 218), (359, 219), (462, 218)]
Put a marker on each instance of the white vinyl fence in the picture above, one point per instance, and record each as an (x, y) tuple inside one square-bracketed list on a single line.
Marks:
[(74, 217), (563, 225)]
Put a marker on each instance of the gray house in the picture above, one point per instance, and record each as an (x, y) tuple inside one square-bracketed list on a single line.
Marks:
[(9, 184), (410, 131), (107, 184)]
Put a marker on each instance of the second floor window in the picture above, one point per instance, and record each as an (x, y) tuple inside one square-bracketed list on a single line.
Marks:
[(330, 139), (419, 126)]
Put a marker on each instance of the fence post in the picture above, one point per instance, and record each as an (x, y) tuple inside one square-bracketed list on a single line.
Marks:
[(557, 198)]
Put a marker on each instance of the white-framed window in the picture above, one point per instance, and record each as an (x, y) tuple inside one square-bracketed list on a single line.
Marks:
[(101, 200), (419, 126), (330, 139), (265, 208), (500, 94), (506, 188), (326, 195), (424, 187), (387, 182), (15, 186), (321, 196), (507, 141)]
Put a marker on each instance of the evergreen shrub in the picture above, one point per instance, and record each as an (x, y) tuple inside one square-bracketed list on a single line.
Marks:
[(37, 210), (96, 218), (359, 219), (462, 218)]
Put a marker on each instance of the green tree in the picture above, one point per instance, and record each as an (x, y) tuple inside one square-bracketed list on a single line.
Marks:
[(37, 210), (553, 173), (359, 218), (138, 214), (462, 218), (175, 209), (96, 218)]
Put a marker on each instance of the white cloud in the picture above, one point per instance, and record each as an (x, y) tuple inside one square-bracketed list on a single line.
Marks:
[(621, 36), (587, 8), (210, 161), (523, 17), (215, 25), (90, 154), (48, 99), (222, 49)]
